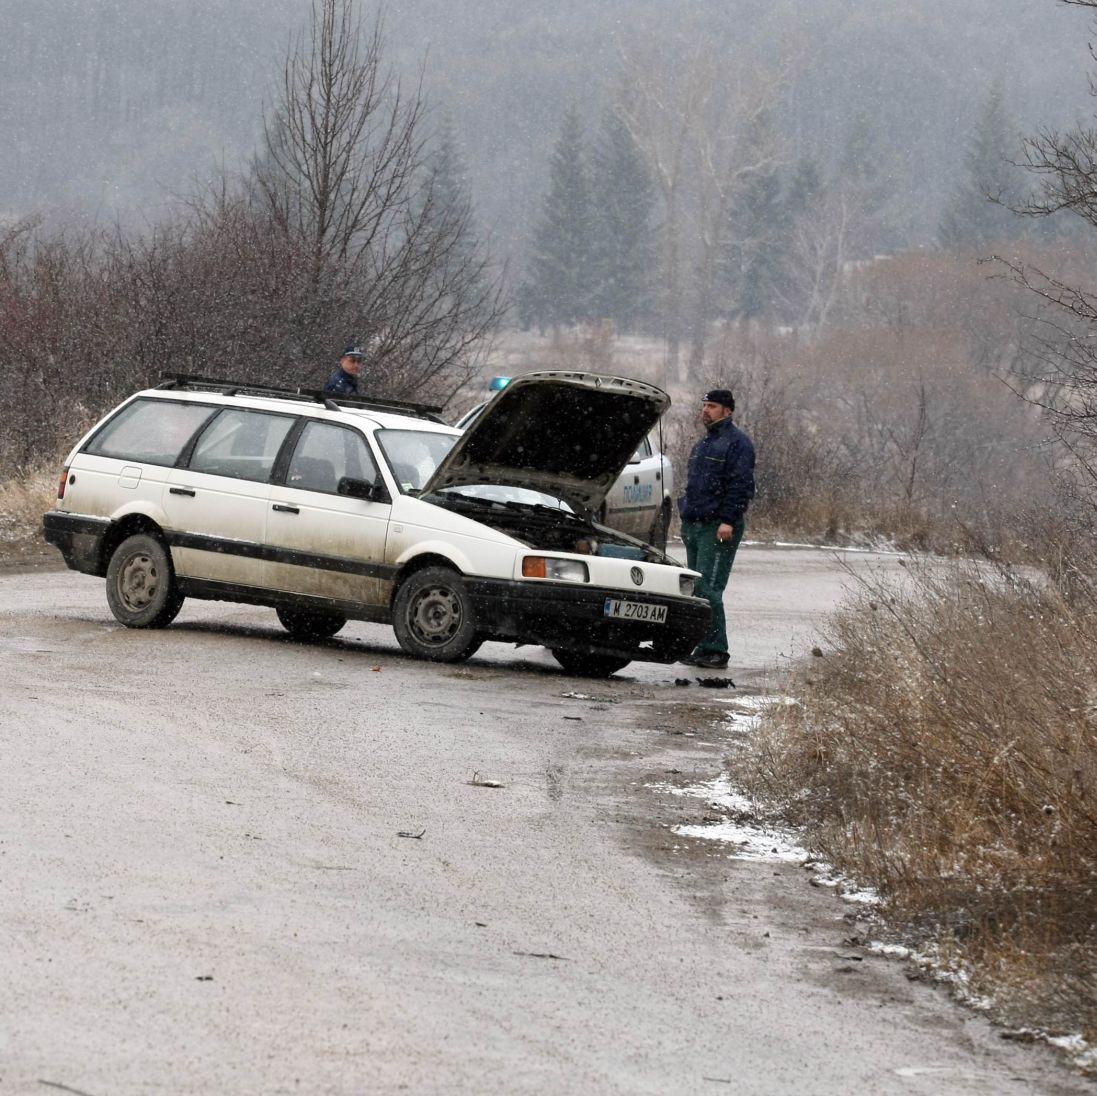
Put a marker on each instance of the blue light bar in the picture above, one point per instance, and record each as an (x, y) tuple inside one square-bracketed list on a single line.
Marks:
[(497, 383)]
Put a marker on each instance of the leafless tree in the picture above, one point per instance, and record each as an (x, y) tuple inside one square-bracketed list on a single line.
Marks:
[(346, 176), (343, 146)]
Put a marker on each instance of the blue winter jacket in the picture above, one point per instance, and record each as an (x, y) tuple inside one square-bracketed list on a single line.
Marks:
[(341, 383), (720, 481)]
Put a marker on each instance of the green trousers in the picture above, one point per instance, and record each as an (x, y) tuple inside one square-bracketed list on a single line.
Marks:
[(713, 558)]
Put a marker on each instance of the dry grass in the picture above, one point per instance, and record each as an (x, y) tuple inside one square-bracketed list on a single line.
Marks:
[(22, 504), (944, 751)]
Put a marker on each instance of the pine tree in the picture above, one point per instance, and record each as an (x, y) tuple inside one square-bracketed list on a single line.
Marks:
[(449, 193), (974, 217), (622, 243), (753, 227), (559, 286)]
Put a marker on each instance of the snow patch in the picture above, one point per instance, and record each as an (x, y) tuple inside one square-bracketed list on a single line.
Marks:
[(750, 840)]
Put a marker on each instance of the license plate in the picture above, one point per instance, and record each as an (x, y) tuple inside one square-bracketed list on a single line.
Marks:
[(636, 610)]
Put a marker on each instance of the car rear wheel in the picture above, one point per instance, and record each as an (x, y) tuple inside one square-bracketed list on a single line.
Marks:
[(141, 590), (587, 665), (311, 623), (433, 616)]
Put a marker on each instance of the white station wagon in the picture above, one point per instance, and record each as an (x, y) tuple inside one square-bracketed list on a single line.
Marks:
[(334, 509)]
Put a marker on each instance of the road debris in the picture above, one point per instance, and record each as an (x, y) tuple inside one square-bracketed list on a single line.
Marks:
[(478, 781)]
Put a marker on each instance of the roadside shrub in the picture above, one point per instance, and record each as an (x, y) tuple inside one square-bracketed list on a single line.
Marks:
[(22, 504), (943, 750)]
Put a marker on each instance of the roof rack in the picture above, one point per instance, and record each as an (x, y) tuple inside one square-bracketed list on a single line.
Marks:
[(313, 395)]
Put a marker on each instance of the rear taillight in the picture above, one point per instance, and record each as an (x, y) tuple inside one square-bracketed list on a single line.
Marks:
[(61, 485)]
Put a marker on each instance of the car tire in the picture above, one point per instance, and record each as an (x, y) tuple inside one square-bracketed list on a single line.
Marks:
[(660, 528), (433, 616), (311, 623), (582, 664), (141, 589)]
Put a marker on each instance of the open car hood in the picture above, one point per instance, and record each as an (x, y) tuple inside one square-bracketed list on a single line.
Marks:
[(566, 434)]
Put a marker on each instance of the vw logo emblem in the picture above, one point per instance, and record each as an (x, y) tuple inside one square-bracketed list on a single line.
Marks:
[(637, 576)]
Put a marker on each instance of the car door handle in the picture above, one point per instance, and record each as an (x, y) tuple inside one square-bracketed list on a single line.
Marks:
[(188, 491), (635, 479), (282, 509)]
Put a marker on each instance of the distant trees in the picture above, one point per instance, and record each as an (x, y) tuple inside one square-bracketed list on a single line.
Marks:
[(560, 284), (592, 248), (979, 211), (623, 242)]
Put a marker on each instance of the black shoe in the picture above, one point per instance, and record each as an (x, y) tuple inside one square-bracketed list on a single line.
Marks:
[(710, 660)]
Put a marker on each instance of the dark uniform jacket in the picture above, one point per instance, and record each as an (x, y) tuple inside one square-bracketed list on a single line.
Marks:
[(341, 383), (720, 481)]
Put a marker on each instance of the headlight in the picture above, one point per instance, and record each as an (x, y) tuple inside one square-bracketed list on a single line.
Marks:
[(685, 585), (565, 570)]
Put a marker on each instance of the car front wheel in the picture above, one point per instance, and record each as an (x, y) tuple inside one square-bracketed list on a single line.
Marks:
[(141, 589), (433, 616), (311, 623), (582, 664)]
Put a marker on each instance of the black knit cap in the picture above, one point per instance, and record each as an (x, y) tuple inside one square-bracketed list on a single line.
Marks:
[(721, 396)]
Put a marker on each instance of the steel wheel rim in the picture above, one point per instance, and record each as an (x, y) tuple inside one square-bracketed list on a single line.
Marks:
[(435, 616), (138, 582)]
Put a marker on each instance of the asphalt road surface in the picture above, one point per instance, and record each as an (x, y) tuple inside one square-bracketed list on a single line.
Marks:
[(234, 863)]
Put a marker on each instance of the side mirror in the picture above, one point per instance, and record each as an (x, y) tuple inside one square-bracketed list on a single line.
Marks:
[(364, 489)]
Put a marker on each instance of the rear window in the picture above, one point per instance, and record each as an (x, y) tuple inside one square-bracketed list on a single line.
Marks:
[(150, 431)]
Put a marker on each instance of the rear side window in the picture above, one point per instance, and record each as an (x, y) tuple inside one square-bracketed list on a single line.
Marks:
[(241, 444), (325, 454), (150, 431)]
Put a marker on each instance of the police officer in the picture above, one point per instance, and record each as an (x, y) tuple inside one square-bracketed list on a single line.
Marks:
[(719, 487), (344, 381)]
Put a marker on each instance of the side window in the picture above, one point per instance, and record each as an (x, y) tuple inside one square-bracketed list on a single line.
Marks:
[(643, 450), (150, 431), (325, 454), (241, 444)]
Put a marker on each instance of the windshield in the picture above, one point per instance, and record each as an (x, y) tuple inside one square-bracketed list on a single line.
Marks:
[(413, 455)]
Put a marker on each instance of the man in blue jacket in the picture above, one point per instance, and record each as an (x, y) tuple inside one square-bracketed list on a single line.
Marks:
[(719, 487)]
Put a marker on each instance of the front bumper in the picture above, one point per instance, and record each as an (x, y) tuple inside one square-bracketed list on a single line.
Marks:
[(573, 618)]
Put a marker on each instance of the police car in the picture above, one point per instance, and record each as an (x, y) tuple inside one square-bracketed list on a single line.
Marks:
[(331, 509)]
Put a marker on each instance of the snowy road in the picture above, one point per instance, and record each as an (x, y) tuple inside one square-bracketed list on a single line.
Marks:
[(233, 863)]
